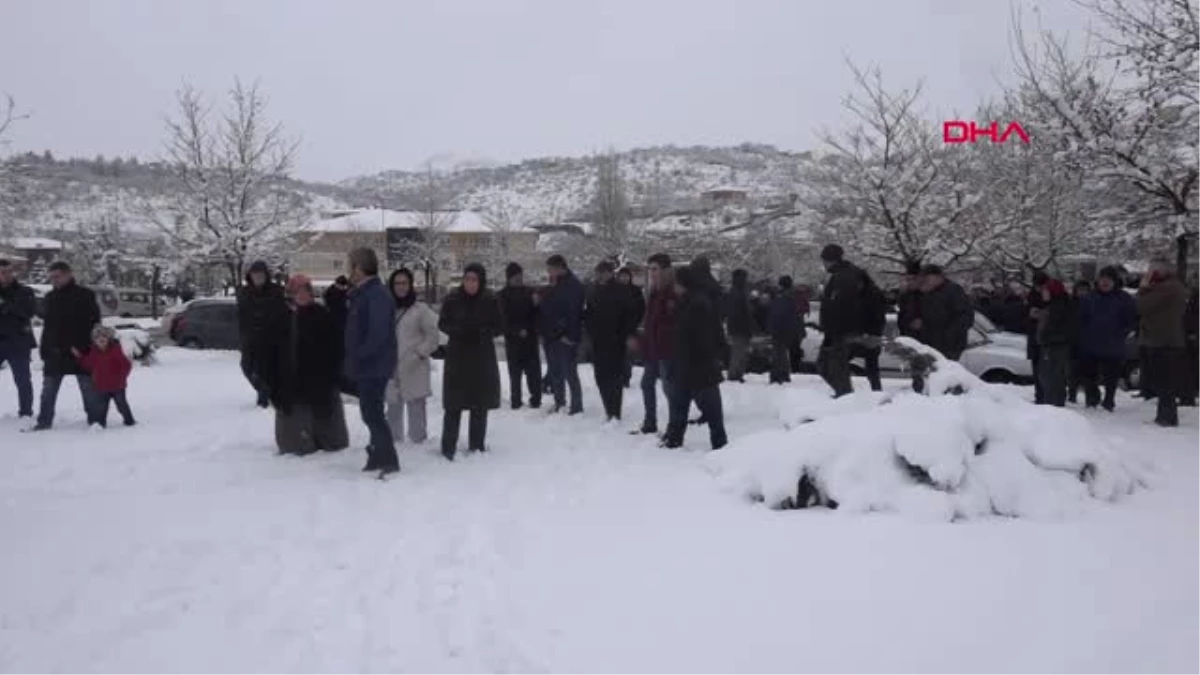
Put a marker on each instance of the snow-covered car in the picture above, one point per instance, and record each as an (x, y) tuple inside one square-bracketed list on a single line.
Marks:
[(992, 355)]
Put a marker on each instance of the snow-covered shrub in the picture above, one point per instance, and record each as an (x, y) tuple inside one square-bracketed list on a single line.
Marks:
[(138, 345), (961, 449)]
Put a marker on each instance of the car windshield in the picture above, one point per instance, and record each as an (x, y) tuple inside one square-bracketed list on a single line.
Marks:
[(985, 324)]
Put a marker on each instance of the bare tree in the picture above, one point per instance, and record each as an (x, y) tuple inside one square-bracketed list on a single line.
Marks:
[(611, 232), (434, 201), (505, 217), (233, 202), (13, 193), (1128, 108), (888, 185)]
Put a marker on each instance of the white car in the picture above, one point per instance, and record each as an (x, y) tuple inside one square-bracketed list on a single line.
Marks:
[(992, 355)]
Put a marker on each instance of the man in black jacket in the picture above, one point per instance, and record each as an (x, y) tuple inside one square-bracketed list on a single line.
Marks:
[(610, 323), (697, 372), (783, 325), (260, 303), (71, 313), (337, 299), (518, 311), (638, 308), (739, 324), (946, 313), (17, 307), (841, 318), (908, 302)]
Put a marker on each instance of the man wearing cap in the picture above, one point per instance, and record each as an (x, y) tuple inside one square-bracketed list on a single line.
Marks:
[(518, 311), (841, 318), (259, 303), (946, 313)]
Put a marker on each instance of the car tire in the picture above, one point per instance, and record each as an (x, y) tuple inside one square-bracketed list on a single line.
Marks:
[(126, 315), (998, 376), (191, 343)]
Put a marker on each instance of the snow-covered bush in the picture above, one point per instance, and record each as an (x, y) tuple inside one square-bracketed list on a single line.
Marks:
[(138, 345), (962, 449)]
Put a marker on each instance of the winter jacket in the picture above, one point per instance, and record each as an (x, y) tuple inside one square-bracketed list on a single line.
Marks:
[(1162, 306), (783, 322), (17, 307), (416, 341), (301, 359), (908, 306), (70, 314), (841, 302), (472, 374), (739, 320), (1058, 326), (1033, 300), (637, 302), (697, 350), (1105, 320), (336, 300), (258, 308), (658, 329), (109, 368), (519, 314), (370, 332), (946, 319), (609, 318), (561, 312)]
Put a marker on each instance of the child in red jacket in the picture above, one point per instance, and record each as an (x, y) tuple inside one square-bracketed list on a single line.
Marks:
[(110, 368)]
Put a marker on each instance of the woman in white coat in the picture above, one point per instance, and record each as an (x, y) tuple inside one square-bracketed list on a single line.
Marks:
[(416, 340)]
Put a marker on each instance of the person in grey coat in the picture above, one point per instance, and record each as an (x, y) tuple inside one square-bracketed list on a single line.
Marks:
[(416, 341)]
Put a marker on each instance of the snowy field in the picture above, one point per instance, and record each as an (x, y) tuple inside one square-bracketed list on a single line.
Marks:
[(184, 544)]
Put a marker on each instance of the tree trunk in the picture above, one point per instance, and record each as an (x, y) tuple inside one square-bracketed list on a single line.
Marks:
[(1181, 257), (154, 291)]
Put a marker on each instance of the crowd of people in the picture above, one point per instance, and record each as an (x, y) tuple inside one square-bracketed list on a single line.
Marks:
[(375, 341)]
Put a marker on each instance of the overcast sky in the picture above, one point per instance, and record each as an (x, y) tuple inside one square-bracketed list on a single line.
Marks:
[(377, 84)]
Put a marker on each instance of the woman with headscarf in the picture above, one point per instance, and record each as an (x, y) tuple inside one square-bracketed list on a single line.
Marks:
[(471, 319), (416, 341), (300, 370)]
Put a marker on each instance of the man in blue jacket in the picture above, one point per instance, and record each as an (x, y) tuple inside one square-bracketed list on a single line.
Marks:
[(561, 321), (371, 355), (1106, 317)]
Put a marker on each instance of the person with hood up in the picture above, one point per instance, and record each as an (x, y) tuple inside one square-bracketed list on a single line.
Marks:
[(946, 313), (1106, 317), (610, 325), (416, 340), (300, 365), (638, 308), (1057, 326), (697, 370), (519, 310), (658, 340), (335, 298), (1162, 302), (783, 325), (109, 367), (841, 318), (561, 319), (69, 316), (739, 324), (370, 361), (471, 382), (260, 303)]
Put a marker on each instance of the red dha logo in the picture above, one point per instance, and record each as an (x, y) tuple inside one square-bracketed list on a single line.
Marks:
[(957, 131)]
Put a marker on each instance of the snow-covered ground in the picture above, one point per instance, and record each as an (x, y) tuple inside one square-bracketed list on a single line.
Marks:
[(184, 544)]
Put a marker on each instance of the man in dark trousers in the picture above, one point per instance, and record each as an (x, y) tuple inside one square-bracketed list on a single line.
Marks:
[(1106, 318), (1191, 317), (658, 339), (1056, 333), (638, 308), (561, 319), (1034, 305), (260, 303), (908, 303), (946, 313), (371, 355), (70, 314), (17, 307), (783, 325), (707, 284), (1162, 302), (869, 345), (610, 323), (841, 318), (518, 311), (697, 370), (336, 299), (739, 324)]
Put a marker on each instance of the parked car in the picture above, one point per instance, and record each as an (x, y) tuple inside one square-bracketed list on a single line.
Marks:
[(108, 299), (136, 302), (208, 323)]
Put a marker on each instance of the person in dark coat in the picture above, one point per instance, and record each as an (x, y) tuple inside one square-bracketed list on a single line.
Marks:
[(471, 382), (610, 324), (1162, 303), (260, 303), (739, 324), (1079, 292), (783, 325), (869, 345), (697, 372), (658, 340), (1191, 317), (1057, 327), (908, 302), (802, 299), (70, 314), (946, 313), (1034, 306), (1106, 317), (561, 320), (841, 318), (17, 308), (371, 356), (336, 298), (638, 309), (300, 367), (519, 310)]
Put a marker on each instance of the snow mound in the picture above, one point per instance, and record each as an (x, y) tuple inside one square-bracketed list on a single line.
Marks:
[(934, 456)]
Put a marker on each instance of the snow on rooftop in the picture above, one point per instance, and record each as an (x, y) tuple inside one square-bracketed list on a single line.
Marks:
[(33, 243), (378, 220)]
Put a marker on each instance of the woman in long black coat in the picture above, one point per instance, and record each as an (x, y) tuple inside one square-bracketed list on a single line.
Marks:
[(300, 369), (471, 320)]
